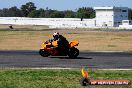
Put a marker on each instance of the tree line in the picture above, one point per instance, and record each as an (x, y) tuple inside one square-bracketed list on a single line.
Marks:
[(30, 10)]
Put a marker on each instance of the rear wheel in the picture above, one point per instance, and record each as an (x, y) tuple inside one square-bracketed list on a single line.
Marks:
[(43, 53), (73, 52)]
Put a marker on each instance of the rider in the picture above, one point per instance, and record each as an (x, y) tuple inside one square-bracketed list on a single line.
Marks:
[(61, 41)]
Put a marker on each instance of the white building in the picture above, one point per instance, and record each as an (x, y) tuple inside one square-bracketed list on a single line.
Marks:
[(110, 16)]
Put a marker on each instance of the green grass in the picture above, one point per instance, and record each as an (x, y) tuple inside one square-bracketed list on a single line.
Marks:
[(27, 78)]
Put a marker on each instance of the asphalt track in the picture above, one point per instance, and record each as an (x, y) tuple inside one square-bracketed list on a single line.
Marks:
[(102, 60)]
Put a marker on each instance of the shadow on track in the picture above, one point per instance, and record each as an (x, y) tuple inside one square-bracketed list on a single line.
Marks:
[(65, 57)]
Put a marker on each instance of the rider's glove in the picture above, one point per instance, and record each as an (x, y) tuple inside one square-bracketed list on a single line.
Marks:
[(50, 40)]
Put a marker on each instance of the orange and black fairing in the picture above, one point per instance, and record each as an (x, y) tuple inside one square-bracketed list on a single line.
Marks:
[(48, 48), (73, 43)]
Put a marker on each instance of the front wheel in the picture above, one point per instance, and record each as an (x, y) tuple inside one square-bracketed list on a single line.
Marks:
[(43, 53), (73, 52)]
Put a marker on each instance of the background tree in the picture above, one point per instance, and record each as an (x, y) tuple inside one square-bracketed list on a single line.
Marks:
[(5, 12), (34, 14), (57, 14), (1, 13), (85, 12), (29, 7), (69, 14), (47, 12), (15, 12), (42, 12), (29, 10)]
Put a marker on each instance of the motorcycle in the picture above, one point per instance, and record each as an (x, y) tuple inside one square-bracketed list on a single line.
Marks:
[(48, 49)]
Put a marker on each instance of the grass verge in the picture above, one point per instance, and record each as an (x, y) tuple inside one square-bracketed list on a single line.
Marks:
[(27, 78)]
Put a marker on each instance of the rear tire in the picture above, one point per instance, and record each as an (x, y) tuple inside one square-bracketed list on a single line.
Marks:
[(43, 53), (73, 52)]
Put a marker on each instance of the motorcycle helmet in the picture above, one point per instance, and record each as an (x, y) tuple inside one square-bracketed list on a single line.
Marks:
[(56, 35)]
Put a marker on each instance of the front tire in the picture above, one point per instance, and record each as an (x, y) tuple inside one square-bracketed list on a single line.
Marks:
[(43, 53), (73, 52)]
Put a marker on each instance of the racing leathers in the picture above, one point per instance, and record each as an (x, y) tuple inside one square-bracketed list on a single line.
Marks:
[(63, 44)]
